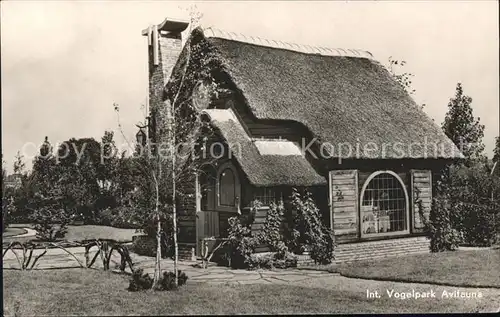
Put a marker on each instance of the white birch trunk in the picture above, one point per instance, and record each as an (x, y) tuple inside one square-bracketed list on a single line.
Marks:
[(174, 209)]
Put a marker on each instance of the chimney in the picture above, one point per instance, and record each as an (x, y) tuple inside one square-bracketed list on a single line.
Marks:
[(164, 48)]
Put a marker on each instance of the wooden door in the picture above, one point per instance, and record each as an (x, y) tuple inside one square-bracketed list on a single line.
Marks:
[(219, 191), (207, 222)]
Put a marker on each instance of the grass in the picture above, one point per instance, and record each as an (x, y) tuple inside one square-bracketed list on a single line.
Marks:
[(78, 233), (93, 292), (330, 268), (474, 268)]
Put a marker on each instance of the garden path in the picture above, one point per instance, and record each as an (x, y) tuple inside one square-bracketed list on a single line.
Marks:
[(29, 233)]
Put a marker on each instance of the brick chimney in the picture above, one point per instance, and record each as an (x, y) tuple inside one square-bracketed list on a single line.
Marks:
[(164, 48)]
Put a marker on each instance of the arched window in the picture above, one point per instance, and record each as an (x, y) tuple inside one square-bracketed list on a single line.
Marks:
[(384, 204), (227, 188)]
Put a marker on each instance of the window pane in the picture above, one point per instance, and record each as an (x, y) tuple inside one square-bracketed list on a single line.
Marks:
[(227, 188), (383, 208), (267, 195)]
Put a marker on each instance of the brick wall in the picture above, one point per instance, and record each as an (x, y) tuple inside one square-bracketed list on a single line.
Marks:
[(380, 249)]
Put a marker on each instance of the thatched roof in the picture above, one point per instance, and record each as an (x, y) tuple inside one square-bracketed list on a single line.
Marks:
[(342, 97), (263, 168)]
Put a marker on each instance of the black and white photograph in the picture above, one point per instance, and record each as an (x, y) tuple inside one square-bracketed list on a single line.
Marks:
[(250, 157)]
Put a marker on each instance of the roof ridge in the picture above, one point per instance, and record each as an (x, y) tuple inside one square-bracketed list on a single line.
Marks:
[(302, 48)]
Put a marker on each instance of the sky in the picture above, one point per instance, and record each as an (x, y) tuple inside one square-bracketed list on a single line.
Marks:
[(64, 63)]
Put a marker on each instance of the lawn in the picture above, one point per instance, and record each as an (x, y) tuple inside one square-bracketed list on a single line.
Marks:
[(474, 268), (9, 232), (78, 233), (92, 292)]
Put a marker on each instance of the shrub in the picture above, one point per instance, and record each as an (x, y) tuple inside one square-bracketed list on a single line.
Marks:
[(272, 260), (167, 281), (443, 237), (309, 230), (260, 261), (272, 233), (477, 223), (286, 261), (471, 191), (50, 219), (140, 281), (242, 243), (144, 245), (7, 211), (120, 217), (50, 224), (149, 227), (463, 211), (104, 217), (306, 230), (464, 208)]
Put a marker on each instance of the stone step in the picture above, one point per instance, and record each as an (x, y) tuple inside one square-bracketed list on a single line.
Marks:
[(186, 251)]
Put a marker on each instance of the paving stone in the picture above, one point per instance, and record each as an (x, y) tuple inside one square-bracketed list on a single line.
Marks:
[(318, 274), (242, 272), (195, 274), (291, 278), (11, 266), (215, 276), (247, 277), (218, 270), (250, 282), (280, 272), (221, 282), (264, 281)]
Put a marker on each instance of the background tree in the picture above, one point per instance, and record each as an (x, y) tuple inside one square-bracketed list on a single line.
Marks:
[(19, 164), (462, 127), (496, 151), (107, 173), (43, 173), (44, 199), (77, 176), (5, 198), (38, 182)]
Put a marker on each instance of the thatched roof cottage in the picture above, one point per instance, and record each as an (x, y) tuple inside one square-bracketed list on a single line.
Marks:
[(332, 120)]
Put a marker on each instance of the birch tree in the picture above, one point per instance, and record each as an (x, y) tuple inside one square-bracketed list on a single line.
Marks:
[(172, 161)]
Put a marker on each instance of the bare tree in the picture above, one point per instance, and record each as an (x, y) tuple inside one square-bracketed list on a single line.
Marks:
[(403, 78)]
